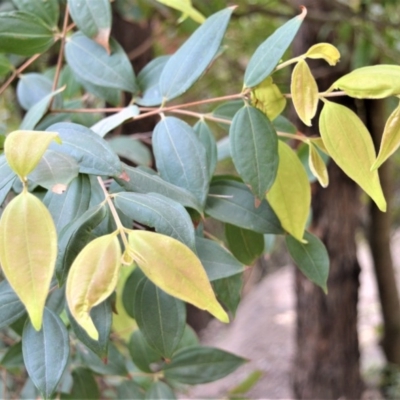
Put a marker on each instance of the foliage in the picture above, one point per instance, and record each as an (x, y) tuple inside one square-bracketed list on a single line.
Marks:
[(69, 253)]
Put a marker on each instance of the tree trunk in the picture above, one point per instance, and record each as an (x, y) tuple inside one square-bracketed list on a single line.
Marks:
[(326, 364)]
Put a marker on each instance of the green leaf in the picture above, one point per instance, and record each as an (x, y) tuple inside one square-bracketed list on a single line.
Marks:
[(24, 149), (159, 390), (46, 352), (304, 91), (11, 307), (282, 124), (185, 6), (92, 278), (180, 156), (373, 82), (244, 386), (311, 258), (6, 173), (28, 249), (24, 34), (390, 138), (244, 244), (143, 182), (350, 145), (228, 110), (165, 262), (48, 11), (93, 153), (291, 183), (160, 317), (93, 18), (193, 57), (55, 171), (109, 123), (189, 338), (229, 291), (270, 52), (129, 292), (91, 62), (223, 148), (130, 390), (232, 202), (141, 353), (101, 316), (195, 365), (206, 137), (217, 261), (165, 215), (31, 88), (132, 149), (254, 149), (13, 359), (5, 65), (148, 81), (71, 204), (84, 386)]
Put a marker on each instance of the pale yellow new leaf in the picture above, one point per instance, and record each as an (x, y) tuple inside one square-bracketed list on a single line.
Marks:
[(390, 138), (186, 8), (268, 98), (374, 82), (350, 145), (24, 149), (174, 268), (290, 195), (317, 165), (326, 51), (92, 278), (304, 91), (28, 251)]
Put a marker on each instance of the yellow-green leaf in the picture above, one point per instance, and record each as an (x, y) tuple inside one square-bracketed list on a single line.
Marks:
[(186, 8), (350, 145), (390, 139), (268, 98), (24, 149), (317, 141), (326, 51), (304, 92), (174, 268), (92, 278), (375, 82), (290, 195), (28, 251), (317, 165)]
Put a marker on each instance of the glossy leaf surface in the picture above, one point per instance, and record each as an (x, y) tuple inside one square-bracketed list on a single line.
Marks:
[(229, 291), (84, 386), (350, 145), (174, 268)]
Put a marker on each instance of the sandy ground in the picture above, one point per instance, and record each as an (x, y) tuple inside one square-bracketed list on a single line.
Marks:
[(264, 330)]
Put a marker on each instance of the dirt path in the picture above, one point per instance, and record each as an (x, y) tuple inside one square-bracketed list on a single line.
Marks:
[(264, 330)]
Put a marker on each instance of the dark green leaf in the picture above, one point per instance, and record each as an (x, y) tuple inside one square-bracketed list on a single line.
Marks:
[(48, 10), (67, 78), (180, 156), (254, 149), (143, 182), (207, 138), (132, 149), (282, 124), (160, 317), (223, 148), (56, 300), (193, 57), (229, 291), (93, 153), (148, 81), (74, 237), (102, 318), (85, 386), (71, 204), (217, 262), (141, 353), (228, 110), (270, 52), (159, 391), (130, 390), (244, 244), (46, 352), (189, 338), (195, 365), (13, 359), (311, 258), (165, 215), (24, 34), (32, 88), (129, 292), (11, 308), (92, 63), (232, 202)]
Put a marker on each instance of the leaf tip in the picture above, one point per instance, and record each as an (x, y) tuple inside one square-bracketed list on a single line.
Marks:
[(303, 13)]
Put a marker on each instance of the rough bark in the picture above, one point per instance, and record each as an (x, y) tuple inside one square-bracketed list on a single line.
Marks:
[(326, 364), (379, 241)]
